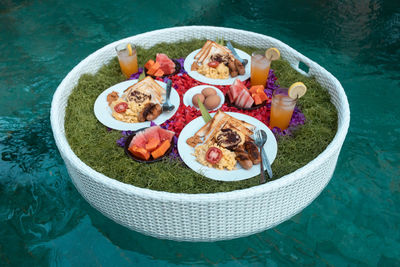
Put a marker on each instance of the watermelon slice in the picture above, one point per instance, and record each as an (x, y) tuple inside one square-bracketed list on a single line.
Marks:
[(165, 134), (236, 88), (166, 64), (152, 132), (139, 140), (249, 102)]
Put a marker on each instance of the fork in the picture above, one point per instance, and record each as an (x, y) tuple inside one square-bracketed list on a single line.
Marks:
[(258, 140)]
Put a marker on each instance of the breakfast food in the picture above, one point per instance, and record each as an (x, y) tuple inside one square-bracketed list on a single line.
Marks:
[(212, 101), (151, 143), (224, 141), (196, 98), (242, 97), (140, 102), (162, 66), (217, 62), (208, 97)]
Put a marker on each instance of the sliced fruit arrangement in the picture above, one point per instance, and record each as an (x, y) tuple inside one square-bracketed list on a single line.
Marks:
[(151, 143), (162, 66), (242, 97)]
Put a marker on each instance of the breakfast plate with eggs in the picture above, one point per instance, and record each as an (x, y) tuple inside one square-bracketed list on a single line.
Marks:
[(210, 96), (198, 65), (134, 95), (229, 168)]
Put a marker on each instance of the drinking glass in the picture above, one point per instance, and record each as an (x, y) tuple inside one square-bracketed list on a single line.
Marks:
[(282, 107), (259, 68), (128, 63)]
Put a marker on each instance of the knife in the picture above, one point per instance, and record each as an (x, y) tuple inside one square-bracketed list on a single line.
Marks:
[(230, 47)]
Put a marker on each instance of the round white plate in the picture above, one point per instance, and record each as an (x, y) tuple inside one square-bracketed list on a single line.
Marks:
[(187, 97), (186, 152), (104, 114), (195, 75)]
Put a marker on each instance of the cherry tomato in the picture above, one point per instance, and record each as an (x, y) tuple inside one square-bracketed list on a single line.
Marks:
[(213, 155), (213, 64), (121, 107)]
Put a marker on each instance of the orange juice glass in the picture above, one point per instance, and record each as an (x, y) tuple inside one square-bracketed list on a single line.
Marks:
[(282, 107), (128, 63), (259, 68)]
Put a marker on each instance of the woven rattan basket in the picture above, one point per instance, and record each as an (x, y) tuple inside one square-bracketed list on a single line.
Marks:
[(201, 217)]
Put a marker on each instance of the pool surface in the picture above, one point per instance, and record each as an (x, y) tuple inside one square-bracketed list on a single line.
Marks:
[(45, 221)]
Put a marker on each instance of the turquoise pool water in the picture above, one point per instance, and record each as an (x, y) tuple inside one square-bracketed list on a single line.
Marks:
[(44, 220)]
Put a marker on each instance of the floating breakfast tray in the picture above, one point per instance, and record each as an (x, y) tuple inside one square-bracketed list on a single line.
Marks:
[(201, 217)]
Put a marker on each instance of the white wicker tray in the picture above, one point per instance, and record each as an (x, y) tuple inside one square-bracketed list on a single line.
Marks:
[(201, 217)]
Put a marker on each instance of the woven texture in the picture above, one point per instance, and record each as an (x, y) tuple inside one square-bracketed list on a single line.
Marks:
[(201, 217)]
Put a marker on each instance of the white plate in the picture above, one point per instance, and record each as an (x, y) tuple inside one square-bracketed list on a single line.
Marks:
[(197, 76), (187, 97), (186, 152), (104, 114)]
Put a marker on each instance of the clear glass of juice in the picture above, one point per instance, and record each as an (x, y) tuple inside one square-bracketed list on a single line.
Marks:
[(127, 61), (282, 107), (259, 68)]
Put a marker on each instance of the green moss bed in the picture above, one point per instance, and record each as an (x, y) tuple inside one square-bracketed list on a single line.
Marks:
[(96, 146)]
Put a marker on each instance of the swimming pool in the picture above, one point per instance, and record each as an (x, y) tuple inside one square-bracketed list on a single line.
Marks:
[(355, 220)]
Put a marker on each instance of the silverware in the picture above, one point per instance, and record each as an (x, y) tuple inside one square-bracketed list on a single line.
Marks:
[(243, 61), (258, 141), (268, 165), (260, 137), (167, 106)]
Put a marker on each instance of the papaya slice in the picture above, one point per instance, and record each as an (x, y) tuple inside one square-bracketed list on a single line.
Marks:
[(257, 99), (159, 73), (139, 152), (256, 88), (152, 144), (153, 68), (160, 151), (263, 96), (149, 64)]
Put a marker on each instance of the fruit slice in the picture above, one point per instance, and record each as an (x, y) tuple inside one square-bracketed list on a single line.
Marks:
[(272, 53), (165, 134), (160, 151), (262, 96), (257, 99), (166, 64), (152, 132), (139, 152), (149, 64), (256, 88), (297, 90), (139, 140), (129, 47), (159, 73), (153, 68), (152, 144)]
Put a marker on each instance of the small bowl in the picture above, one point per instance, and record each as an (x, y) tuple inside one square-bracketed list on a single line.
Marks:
[(229, 104), (151, 160), (177, 69), (187, 97)]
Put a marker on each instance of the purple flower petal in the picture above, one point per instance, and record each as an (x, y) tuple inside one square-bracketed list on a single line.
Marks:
[(121, 142)]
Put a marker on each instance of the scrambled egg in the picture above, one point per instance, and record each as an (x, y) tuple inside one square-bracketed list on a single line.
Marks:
[(131, 115), (227, 161), (220, 72)]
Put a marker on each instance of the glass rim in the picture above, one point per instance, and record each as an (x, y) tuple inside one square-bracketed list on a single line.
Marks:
[(283, 91), (122, 46), (258, 52)]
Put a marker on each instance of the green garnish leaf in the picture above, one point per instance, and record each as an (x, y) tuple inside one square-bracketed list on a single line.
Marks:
[(204, 113), (142, 76)]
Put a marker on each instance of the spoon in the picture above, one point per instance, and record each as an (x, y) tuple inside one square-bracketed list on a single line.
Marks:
[(167, 106), (268, 165)]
